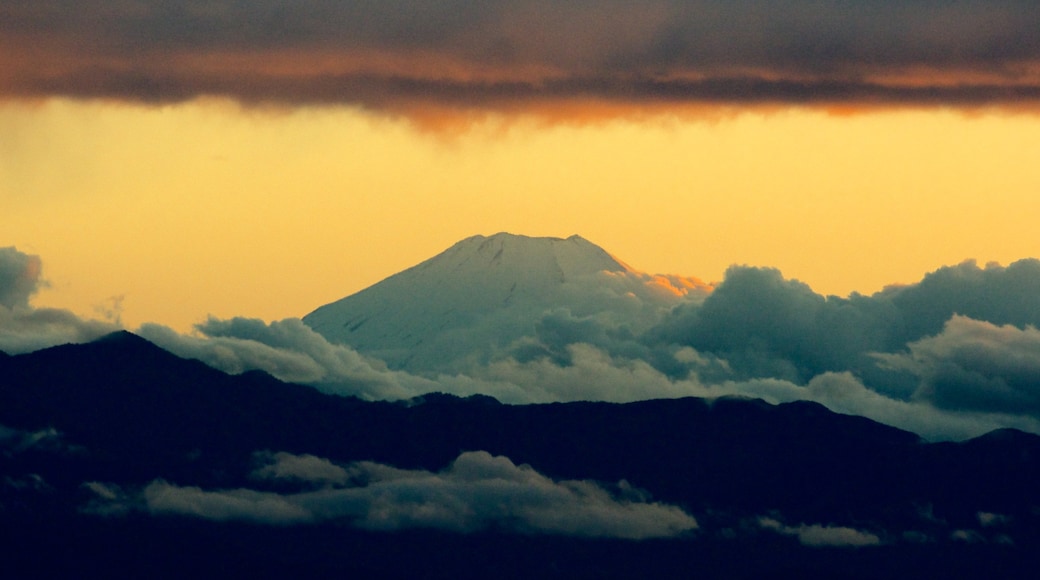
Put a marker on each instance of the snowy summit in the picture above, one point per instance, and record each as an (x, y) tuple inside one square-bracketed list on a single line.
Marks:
[(480, 296)]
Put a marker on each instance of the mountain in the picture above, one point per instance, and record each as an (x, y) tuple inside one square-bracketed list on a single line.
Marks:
[(481, 295), (119, 457)]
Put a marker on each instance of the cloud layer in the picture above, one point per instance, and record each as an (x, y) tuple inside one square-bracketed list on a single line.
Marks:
[(403, 55), (476, 492), (951, 357)]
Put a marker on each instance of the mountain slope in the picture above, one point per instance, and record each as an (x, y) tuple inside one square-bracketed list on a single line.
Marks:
[(484, 293)]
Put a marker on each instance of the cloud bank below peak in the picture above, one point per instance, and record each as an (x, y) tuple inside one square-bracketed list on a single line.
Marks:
[(408, 56), (951, 357)]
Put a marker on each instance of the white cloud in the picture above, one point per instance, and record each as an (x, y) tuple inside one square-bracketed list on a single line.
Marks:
[(477, 491), (817, 535), (238, 504), (291, 351), (592, 375), (305, 468), (844, 393)]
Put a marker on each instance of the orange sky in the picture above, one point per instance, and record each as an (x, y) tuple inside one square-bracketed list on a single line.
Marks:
[(175, 159), (207, 208)]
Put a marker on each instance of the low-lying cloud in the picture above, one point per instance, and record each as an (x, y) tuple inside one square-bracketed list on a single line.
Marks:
[(291, 351), (819, 536), (949, 358), (476, 492), (976, 365)]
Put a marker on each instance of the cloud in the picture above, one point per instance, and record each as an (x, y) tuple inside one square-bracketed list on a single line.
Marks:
[(24, 328), (13, 441), (108, 500), (589, 374), (288, 350), (164, 498), (300, 468), (990, 519), (24, 331), (759, 322), (977, 366), (844, 393), (994, 293), (756, 335), (406, 55), (19, 278), (476, 492), (573, 371), (764, 325), (818, 536)]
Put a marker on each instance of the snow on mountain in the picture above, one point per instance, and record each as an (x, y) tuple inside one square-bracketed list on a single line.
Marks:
[(473, 301)]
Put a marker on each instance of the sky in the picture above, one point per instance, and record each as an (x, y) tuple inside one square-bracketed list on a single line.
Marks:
[(857, 180), (173, 160), (206, 173)]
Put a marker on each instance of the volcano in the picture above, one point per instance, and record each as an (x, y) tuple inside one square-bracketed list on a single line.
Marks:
[(483, 294)]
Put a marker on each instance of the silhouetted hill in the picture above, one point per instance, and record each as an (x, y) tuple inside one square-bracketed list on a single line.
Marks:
[(123, 411)]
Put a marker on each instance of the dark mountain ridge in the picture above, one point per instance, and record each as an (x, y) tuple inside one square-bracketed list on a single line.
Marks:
[(150, 408), (129, 413)]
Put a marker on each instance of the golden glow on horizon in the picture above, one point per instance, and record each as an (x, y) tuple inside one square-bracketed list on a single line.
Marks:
[(206, 208)]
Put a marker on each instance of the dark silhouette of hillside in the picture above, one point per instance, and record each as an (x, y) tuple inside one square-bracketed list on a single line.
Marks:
[(122, 410)]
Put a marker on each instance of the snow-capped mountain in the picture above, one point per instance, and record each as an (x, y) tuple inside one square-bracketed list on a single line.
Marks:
[(483, 294)]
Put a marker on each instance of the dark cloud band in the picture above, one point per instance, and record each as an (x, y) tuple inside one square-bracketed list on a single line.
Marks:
[(506, 55), (379, 92)]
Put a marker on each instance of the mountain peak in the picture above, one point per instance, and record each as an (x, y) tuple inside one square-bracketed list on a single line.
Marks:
[(480, 295), (122, 337), (527, 255), (521, 238)]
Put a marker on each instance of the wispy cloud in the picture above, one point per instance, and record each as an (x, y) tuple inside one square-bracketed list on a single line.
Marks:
[(407, 56), (818, 536)]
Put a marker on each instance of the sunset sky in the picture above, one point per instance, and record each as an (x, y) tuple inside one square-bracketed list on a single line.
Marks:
[(169, 160)]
